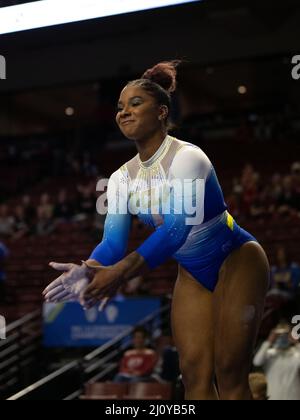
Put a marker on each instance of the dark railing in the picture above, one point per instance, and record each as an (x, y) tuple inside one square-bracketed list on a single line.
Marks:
[(68, 382), (19, 351)]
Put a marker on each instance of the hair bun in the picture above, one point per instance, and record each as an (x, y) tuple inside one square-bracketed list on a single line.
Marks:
[(164, 74)]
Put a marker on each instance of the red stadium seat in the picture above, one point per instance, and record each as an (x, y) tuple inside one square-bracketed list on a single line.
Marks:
[(150, 391), (105, 390)]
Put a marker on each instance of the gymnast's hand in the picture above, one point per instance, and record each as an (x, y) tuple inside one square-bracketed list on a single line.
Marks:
[(103, 287), (107, 280), (69, 285)]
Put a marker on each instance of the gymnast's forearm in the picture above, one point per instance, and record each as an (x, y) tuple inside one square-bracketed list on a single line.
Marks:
[(132, 265)]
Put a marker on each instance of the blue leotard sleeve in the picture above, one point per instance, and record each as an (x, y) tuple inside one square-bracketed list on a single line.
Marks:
[(165, 241), (117, 224), (190, 166)]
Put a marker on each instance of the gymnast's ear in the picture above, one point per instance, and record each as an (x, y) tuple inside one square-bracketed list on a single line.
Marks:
[(163, 112)]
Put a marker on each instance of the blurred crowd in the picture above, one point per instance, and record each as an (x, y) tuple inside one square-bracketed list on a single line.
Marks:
[(146, 361), (285, 276), (42, 218), (276, 364), (255, 197)]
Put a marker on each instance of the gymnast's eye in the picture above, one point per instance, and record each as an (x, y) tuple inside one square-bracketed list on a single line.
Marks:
[(137, 102)]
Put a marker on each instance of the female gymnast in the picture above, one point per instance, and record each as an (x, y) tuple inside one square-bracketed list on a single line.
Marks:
[(223, 272)]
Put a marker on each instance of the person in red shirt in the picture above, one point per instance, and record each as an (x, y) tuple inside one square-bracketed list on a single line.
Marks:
[(137, 364)]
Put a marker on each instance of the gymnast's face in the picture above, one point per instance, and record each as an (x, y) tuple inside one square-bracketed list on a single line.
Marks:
[(139, 116)]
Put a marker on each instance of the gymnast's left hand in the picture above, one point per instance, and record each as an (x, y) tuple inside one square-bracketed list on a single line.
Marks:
[(103, 287)]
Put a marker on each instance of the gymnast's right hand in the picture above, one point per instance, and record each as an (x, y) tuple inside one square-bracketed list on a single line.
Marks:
[(69, 285)]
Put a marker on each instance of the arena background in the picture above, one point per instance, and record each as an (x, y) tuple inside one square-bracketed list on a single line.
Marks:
[(236, 99)]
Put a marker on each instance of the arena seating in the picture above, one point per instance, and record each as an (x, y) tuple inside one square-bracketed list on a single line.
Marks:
[(105, 390), (135, 391), (27, 268)]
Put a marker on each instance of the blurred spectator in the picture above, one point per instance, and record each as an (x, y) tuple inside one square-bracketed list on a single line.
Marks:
[(45, 224), (287, 198), (89, 168), (137, 365), (45, 208), (295, 172), (64, 208), (259, 387), (21, 227), (279, 357), (275, 189), (29, 210), (249, 177), (7, 222), (249, 183), (86, 200), (235, 198), (3, 256), (237, 187), (285, 275), (258, 208)]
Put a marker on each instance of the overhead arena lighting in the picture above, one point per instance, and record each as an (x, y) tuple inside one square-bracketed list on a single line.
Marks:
[(40, 14)]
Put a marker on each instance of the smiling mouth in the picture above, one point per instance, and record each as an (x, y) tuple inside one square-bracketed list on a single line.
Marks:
[(127, 122)]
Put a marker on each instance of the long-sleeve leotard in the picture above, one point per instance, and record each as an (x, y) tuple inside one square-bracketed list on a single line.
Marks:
[(176, 192)]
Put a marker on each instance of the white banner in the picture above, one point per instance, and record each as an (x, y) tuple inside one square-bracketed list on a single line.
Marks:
[(44, 13), (2, 67), (2, 328)]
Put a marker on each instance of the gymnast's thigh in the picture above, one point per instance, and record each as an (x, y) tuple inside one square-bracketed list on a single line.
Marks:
[(192, 322)]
